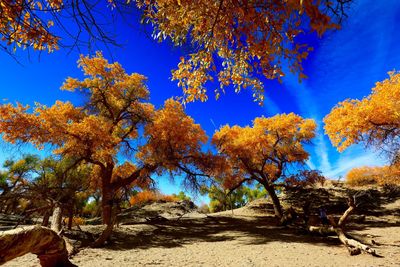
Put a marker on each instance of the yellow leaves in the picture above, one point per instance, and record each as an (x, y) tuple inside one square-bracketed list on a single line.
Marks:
[(109, 121), (112, 90), (233, 43), (20, 25), (364, 176), (374, 118), (173, 135), (267, 143), (124, 170)]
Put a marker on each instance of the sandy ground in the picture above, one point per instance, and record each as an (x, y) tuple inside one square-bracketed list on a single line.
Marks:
[(226, 240), (245, 238)]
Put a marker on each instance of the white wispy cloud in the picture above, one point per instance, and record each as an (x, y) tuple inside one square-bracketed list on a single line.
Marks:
[(355, 156), (309, 108)]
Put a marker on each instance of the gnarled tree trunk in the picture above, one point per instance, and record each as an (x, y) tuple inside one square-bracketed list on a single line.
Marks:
[(42, 241)]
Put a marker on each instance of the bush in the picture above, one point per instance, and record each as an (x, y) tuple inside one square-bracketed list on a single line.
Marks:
[(146, 197), (363, 176), (306, 178), (90, 209), (204, 209), (75, 221)]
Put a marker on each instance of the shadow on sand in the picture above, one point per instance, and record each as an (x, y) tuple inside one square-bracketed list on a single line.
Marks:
[(176, 233)]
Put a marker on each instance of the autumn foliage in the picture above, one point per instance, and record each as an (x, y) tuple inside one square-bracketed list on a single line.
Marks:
[(110, 122), (147, 196), (262, 152), (20, 25), (367, 176), (373, 121), (236, 42)]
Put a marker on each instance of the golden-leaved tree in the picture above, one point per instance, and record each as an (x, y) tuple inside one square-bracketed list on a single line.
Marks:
[(263, 152), (367, 175), (21, 26), (109, 123), (373, 121), (236, 42)]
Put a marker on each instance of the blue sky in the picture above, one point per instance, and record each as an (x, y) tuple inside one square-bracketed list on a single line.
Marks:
[(344, 64)]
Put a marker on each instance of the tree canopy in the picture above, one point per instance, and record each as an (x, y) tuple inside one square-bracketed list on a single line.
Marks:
[(115, 117), (262, 153), (372, 121), (237, 42), (233, 42)]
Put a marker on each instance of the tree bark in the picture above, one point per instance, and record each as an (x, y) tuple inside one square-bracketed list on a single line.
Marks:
[(70, 217), (56, 219), (275, 201), (46, 218), (353, 246), (105, 235), (107, 204), (44, 242), (107, 215)]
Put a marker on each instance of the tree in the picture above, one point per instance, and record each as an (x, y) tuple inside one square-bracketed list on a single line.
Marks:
[(49, 24), (236, 42), (262, 153), (63, 184), (16, 179), (109, 123), (373, 121), (222, 199), (367, 175), (182, 196), (43, 185), (257, 192), (305, 178)]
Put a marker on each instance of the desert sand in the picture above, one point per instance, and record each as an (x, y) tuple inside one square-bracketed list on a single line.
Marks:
[(244, 238)]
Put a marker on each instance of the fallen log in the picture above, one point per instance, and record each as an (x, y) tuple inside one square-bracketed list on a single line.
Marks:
[(50, 248), (353, 245)]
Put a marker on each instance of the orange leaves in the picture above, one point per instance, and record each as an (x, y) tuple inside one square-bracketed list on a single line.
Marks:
[(112, 91), (364, 176), (235, 42), (373, 120), (20, 26), (173, 136), (94, 133), (146, 197), (263, 149), (110, 123), (16, 124)]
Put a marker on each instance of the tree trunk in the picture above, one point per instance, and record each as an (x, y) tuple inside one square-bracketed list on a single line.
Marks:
[(107, 204), (107, 215), (46, 218), (56, 219), (70, 217), (275, 201), (105, 235), (44, 242)]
